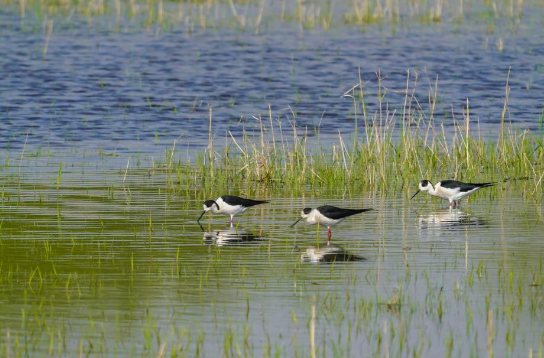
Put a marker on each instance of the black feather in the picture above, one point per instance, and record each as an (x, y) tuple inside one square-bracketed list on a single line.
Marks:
[(335, 213), (236, 200), (463, 187)]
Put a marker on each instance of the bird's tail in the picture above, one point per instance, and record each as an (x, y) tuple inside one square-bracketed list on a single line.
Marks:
[(252, 202), (362, 210)]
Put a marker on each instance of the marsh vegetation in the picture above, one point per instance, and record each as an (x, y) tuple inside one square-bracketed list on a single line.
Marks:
[(120, 118)]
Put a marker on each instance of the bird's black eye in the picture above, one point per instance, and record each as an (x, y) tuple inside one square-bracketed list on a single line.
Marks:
[(209, 203), (306, 211), (424, 183)]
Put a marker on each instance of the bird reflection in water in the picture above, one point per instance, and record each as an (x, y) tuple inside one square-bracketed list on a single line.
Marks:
[(448, 219), (231, 235), (328, 253)]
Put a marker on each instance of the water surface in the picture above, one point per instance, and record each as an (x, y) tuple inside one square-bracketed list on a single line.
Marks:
[(100, 251), (112, 265), (134, 91)]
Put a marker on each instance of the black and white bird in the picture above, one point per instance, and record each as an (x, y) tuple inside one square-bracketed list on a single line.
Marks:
[(229, 205), (327, 215), (451, 190)]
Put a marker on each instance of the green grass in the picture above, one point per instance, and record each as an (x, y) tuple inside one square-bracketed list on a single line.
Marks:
[(257, 16), (397, 147), (112, 263)]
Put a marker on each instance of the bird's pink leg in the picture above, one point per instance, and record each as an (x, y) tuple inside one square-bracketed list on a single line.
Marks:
[(231, 219), (329, 235)]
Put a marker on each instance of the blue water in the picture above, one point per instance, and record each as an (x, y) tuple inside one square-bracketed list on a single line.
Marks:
[(136, 91)]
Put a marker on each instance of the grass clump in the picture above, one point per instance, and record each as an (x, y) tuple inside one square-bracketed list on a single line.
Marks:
[(389, 148)]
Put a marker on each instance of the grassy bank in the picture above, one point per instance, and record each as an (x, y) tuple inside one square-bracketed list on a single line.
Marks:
[(390, 148)]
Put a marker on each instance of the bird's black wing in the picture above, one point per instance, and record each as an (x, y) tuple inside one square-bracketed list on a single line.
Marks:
[(463, 187), (236, 200), (338, 213)]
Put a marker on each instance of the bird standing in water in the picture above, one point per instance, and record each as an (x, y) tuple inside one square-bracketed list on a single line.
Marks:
[(327, 215), (451, 190), (229, 205)]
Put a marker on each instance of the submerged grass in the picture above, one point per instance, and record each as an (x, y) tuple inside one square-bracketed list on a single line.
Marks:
[(390, 148), (95, 264)]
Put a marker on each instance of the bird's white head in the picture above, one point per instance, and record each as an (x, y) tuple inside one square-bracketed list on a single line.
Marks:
[(211, 205), (305, 212), (425, 185)]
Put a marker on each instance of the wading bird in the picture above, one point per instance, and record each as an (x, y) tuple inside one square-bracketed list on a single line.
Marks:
[(451, 190), (327, 215), (229, 205)]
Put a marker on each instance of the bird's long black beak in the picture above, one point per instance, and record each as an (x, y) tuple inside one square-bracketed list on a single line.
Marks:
[(296, 222), (413, 196), (201, 215)]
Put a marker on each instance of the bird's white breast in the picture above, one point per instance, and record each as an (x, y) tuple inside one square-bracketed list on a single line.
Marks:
[(225, 208), (445, 193), (316, 217)]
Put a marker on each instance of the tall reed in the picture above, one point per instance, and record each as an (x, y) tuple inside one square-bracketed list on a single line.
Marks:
[(396, 147)]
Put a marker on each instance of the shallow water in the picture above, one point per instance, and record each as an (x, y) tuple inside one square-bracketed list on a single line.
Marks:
[(112, 265), (100, 251)]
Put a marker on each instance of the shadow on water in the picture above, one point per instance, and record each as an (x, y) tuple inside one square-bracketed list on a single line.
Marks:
[(229, 236), (328, 253), (448, 219)]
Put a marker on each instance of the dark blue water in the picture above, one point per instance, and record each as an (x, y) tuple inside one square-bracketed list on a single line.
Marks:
[(136, 91)]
